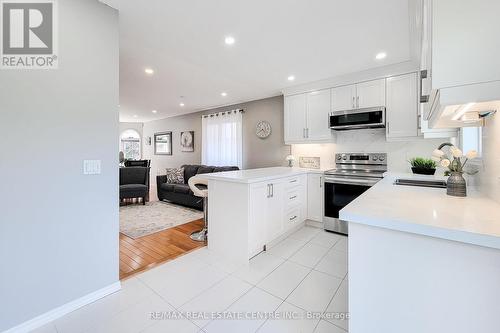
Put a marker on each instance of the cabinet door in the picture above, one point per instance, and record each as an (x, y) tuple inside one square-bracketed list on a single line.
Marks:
[(315, 197), (370, 94), (344, 98), (402, 106), (275, 211), (295, 117), (318, 109), (257, 228)]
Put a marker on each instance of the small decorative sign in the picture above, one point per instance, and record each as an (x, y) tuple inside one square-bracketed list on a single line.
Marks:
[(309, 162)]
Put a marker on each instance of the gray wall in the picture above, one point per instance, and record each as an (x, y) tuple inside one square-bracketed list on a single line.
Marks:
[(59, 228), (257, 153)]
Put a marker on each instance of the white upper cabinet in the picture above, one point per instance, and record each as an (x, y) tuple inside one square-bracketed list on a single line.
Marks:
[(402, 106), (318, 110), (295, 118), (370, 94), (361, 95), (344, 98), (465, 42)]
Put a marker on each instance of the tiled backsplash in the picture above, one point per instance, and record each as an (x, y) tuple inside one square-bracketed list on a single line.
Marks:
[(369, 141)]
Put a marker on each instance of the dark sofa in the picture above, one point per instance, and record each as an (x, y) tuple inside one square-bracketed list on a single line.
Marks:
[(181, 193)]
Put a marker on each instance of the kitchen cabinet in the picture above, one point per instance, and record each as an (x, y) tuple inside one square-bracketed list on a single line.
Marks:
[(295, 118), (318, 110), (402, 106), (274, 208), (306, 117), (357, 96), (315, 197), (370, 94), (344, 98)]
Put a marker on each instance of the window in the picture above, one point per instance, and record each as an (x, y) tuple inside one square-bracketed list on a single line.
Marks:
[(222, 140), (130, 144), (471, 139)]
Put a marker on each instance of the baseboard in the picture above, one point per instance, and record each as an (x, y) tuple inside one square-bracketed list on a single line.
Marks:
[(316, 224), (277, 240), (58, 312)]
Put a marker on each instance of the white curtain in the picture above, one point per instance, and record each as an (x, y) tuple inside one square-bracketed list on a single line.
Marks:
[(222, 139)]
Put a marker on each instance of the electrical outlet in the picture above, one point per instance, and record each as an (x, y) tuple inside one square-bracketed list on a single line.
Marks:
[(92, 167)]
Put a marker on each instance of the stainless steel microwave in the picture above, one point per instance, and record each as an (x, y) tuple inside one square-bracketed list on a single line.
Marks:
[(359, 118)]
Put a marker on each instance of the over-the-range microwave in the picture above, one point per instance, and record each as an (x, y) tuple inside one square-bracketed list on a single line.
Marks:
[(358, 118)]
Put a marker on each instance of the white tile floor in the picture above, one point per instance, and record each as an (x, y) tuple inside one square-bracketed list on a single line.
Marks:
[(305, 273)]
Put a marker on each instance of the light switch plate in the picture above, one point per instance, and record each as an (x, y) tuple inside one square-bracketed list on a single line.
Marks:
[(92, 167)]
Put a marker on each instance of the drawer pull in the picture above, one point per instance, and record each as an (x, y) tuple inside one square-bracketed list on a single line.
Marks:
[(293, 181), (291, 198), (293, 217)]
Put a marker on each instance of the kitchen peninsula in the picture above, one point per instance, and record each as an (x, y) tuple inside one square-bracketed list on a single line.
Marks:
[(422, 261), (251, 209)]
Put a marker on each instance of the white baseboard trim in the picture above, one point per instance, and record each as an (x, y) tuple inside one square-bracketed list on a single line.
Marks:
[(58, 312), (316, 224)]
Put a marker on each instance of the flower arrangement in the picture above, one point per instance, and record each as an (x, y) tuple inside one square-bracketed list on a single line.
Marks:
[(456, 161)]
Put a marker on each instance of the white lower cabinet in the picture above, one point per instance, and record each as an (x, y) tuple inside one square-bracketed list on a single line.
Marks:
[(315, 197), (274, 208)]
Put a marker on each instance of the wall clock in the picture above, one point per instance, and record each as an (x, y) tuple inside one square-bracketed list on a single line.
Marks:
[(263, 129)]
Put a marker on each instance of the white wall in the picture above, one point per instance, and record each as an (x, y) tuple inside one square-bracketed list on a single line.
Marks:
[(368, 141), (59, 228)]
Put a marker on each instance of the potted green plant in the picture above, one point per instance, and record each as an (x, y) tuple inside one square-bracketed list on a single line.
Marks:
[(423, 166)]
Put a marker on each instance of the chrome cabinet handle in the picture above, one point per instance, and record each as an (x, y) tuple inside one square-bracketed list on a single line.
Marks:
[(291, 198), (293, 181), (304, 133), (320, 182), (272, 190), (268, 190), (353, 104), (357, 101), (293, 218), (423, 98), (388, 127)]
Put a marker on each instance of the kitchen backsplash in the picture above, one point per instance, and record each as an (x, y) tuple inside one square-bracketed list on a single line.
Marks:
[(369, 141)]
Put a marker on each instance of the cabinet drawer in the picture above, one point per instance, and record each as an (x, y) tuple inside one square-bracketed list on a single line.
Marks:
[(294, 181), (293, 197), (292, 217)]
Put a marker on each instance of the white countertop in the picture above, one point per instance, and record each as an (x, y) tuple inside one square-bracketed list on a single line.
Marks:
[(427, 211), (258, 175)]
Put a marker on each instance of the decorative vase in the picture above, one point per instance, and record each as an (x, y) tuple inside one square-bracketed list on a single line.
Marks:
[(456, 185), (423, 171)]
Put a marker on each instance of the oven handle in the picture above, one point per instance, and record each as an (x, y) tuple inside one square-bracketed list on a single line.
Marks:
[(350, 181)]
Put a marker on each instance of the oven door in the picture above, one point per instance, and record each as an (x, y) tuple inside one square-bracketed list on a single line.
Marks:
[(354, 119), (339, 192)]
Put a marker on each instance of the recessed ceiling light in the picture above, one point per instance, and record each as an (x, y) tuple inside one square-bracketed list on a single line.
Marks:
[(229, 40), (149, 71), (381, 55), (223, 94), (291, 78), (154, 111), (181, 104)]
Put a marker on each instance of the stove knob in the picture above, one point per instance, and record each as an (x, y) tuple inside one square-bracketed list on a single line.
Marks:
[(339, 157), (381, 158), (344, 158), (374, 158)]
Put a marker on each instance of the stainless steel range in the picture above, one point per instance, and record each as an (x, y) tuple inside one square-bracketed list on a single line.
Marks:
[(354, 173)]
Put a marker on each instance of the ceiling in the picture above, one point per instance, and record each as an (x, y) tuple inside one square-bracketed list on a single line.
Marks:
[(183, 42)]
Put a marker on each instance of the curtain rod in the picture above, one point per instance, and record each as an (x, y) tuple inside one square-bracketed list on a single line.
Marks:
[(222, 113)]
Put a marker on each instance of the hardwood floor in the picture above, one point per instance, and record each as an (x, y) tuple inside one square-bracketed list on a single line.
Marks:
[(137, 255)]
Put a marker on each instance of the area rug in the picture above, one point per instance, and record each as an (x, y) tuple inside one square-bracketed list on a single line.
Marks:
[(138, 220)]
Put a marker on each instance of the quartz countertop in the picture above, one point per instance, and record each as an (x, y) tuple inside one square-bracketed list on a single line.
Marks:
[(474, 219), (259, 175)]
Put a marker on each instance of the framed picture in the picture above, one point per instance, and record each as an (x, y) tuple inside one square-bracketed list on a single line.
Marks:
[(187, 141), (163, 143)]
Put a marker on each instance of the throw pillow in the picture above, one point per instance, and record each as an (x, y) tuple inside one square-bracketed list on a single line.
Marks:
[(175, 175)]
